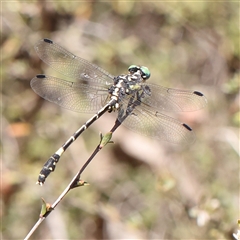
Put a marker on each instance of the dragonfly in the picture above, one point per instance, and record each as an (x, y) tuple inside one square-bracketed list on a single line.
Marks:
[(139, 104)]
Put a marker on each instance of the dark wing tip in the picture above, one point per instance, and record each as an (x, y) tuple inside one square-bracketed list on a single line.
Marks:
[(187, 127), (41, 76), (48, 40), (198, 93)]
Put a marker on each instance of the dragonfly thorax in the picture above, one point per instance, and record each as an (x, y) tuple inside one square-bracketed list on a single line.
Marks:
[(124, 85)]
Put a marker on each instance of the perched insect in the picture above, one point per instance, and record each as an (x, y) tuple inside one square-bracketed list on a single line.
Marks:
[(92, 89)]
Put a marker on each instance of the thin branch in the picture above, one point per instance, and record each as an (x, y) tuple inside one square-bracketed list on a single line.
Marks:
[(75, 182)]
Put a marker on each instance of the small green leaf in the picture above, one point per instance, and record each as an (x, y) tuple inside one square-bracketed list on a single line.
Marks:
[(46, 207), (105, 139)]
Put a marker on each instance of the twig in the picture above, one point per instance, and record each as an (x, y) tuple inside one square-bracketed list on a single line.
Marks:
[(75, 182)]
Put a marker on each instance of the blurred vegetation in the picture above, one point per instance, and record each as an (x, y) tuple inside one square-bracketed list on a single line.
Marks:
[(140, 189)]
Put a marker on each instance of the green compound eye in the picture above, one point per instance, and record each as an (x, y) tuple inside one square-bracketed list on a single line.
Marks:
[(145, 72)]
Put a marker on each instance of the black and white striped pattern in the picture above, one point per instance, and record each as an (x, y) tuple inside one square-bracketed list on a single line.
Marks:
[(50, 165)]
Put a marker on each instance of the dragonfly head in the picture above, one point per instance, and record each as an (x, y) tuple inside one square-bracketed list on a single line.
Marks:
[(145, 73)]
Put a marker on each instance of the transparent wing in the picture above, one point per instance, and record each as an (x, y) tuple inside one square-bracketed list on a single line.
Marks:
[(78, 97), (158, 126), (70, 65), (169, 99)]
